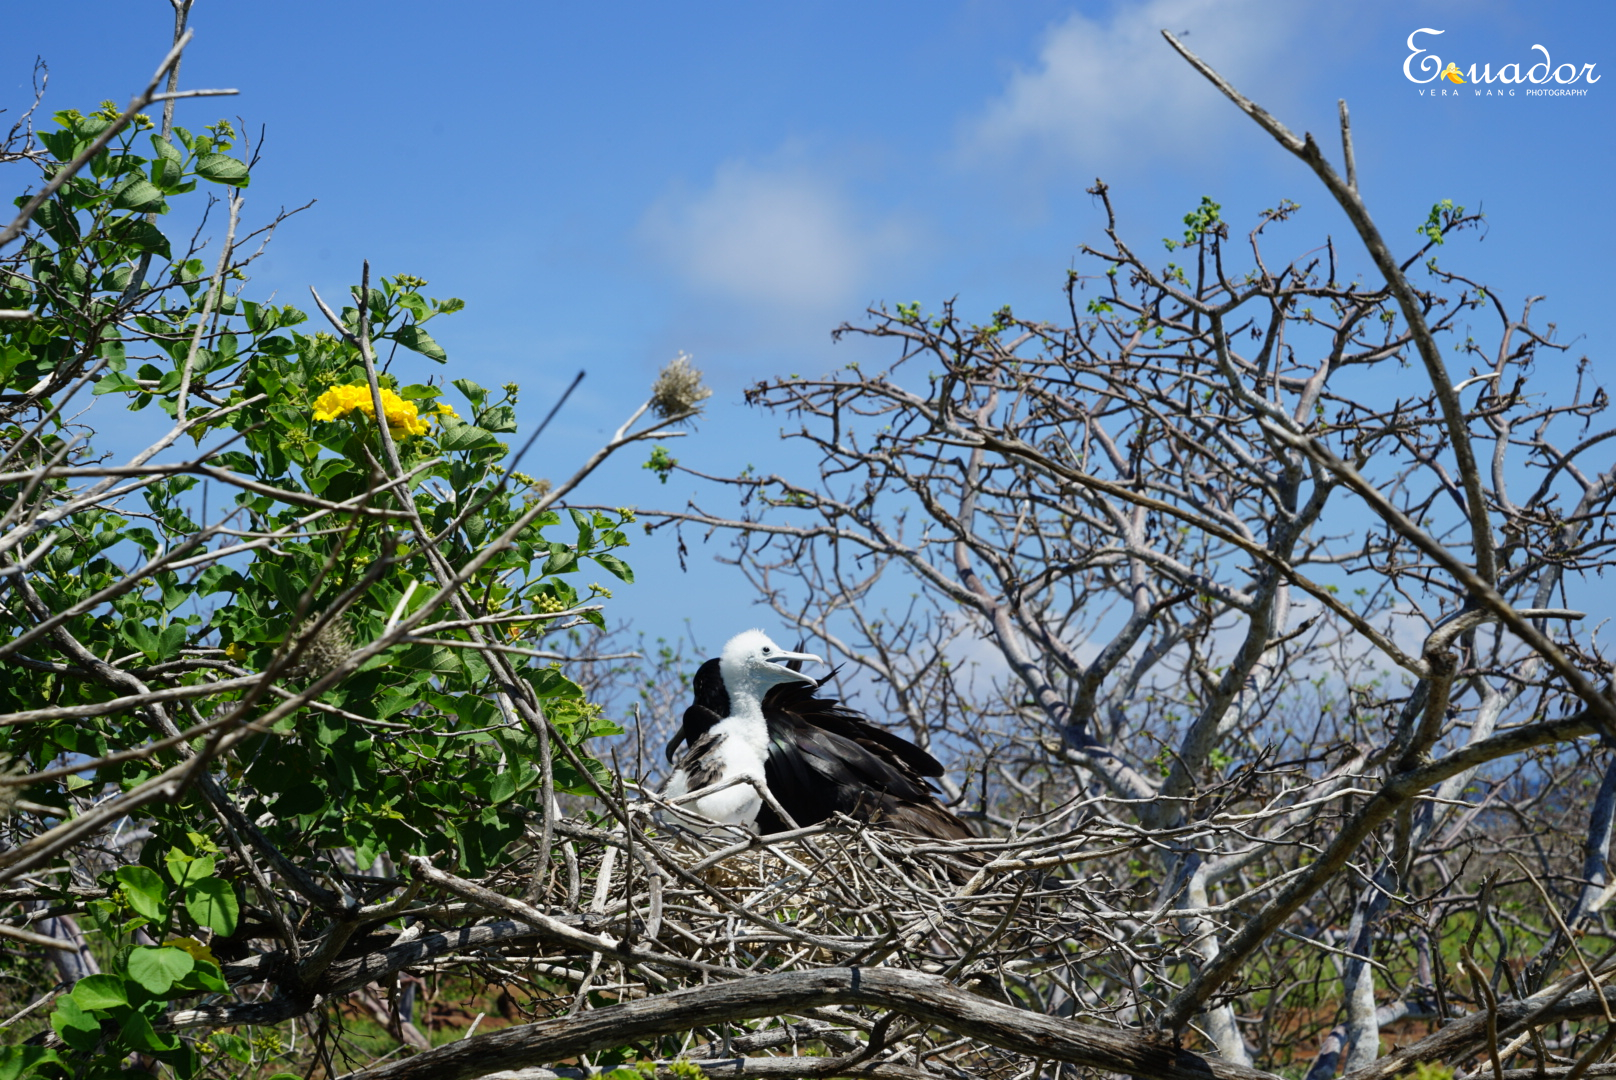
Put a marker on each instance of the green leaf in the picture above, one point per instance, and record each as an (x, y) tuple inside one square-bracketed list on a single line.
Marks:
[(377, 302), (413, 337), (141, 637), (112, 382), (433, 658), (549, 682), (137, 194), (146, 540), (117, 279), (219, 578), (562, 560), (185, 869), (500, 418), (137, 1032), (474, 393), (18, 1060), (204, 978), (61, 224), (167, 174), (59, 143), (235, 1046), (329, 729), (77, 1028), (165, 149), (145, 891), (298, 800), (458, 436), (412, 303), (173, 635), (222, 169), (100, 992), (212, 903), (141, 235), (157, 969), (502, 787), (392, 702), (617, 566)]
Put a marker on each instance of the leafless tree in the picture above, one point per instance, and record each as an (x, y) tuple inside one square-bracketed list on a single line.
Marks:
[(1231, 559)]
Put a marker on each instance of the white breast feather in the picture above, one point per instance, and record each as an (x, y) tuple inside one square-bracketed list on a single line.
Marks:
[(737, 747)]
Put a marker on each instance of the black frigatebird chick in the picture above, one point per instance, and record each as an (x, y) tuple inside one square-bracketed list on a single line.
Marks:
[(823, 758)]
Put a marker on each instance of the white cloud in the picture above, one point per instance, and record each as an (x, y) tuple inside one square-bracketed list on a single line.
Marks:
[(784, 237), (1114, 92)]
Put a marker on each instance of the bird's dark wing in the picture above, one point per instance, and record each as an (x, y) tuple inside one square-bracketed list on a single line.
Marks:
[(800, 699), (768, 822), (702, 764), (925, 819), (853, 763), (815, 771), (698, 720), (710, 706), (708, 687)]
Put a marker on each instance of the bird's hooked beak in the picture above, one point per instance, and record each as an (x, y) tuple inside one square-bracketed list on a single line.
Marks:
[(792, 665)]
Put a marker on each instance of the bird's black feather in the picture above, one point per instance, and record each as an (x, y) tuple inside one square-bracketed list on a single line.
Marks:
[(711, 706), (801, 699)]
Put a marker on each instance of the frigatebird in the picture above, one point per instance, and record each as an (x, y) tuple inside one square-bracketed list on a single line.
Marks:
[(818, 757)]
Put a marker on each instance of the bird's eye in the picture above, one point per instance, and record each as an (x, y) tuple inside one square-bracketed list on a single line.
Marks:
[(765, 650)]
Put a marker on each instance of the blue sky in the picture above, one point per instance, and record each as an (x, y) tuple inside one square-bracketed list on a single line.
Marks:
[(606, 185)]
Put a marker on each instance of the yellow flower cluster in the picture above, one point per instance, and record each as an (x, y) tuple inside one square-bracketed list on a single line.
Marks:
[(197, 950), (402, 416)]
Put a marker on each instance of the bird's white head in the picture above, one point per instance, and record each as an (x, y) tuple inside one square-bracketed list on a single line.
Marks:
[(751, 663)]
